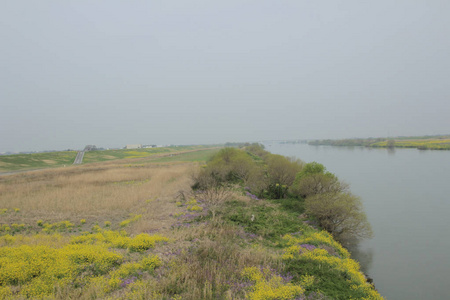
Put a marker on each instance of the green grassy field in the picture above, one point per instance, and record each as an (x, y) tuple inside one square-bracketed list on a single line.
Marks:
[(21, 162), (106, 155), (202, 155), (17, 162)]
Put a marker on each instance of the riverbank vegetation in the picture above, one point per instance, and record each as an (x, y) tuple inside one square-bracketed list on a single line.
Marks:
[(436, 142), (238, 227)]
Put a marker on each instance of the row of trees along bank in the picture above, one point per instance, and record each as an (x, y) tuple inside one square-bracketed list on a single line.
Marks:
[(307, 187), (286, 197)]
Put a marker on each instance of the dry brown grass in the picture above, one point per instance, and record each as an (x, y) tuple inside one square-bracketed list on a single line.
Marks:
[(200, 260), (205, 267), (96, 192)]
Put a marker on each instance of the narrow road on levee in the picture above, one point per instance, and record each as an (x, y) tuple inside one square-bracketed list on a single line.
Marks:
[(79, 158), (80, 154)]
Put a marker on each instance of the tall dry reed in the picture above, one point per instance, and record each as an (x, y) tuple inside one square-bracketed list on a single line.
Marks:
[(97, 192)]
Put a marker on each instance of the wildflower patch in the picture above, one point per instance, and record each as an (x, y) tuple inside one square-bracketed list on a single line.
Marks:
[(13, 228), (37, 269), (133, 219), (57, 227), (126, 274), (308, 256), (268, 285), (33, 269), (314, 239), (117, 239)]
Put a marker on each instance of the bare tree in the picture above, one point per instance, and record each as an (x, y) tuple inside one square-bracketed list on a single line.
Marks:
[(341, 214), (318, 184), (211, 190), (213, 197), (282, 170)]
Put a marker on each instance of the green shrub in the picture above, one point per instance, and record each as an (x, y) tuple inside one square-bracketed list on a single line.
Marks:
[(330, 282), (314, 179), (262, 219), (291, 204), (229, 165)]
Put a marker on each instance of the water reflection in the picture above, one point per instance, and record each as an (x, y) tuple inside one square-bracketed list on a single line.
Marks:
[(391, 151), (406, 201), (363, 255)]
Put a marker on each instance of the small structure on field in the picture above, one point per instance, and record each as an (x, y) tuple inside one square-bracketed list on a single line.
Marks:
[(134, 146)]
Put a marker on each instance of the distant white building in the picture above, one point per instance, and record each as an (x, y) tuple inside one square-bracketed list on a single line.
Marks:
[(134, 146)]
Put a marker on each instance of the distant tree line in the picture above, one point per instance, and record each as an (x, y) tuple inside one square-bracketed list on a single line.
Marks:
[(348, 142), (428, 142)]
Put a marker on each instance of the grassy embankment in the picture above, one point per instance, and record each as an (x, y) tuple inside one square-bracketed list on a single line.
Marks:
[(422, 142), (17, 162), (121, 230), (21, 162)]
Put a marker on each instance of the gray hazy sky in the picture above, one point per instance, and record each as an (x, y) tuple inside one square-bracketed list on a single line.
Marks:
[(112, 73)]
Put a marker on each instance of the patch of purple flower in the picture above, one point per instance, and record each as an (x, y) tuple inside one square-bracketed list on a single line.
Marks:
[(311, 223), (252, 235), (247, 236), (308, 247), (127, 281), (251, 196), (173, 253), (238, 286), (190, 216), (287, 278), (179, 225)]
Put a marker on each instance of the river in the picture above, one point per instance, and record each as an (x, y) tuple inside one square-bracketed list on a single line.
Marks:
[(406, 196)]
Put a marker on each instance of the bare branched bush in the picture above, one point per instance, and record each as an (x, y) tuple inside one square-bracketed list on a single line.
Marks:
[(231, 165), (318, 184), (257, 181), (214, 196), (282, 170), (210, 188), (205, 178), (341, 214), (182, 195)]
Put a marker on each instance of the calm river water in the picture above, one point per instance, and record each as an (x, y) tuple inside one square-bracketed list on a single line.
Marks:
[(406, 196)]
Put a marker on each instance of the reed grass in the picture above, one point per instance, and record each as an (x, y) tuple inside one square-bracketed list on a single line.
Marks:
[(95, 193)]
